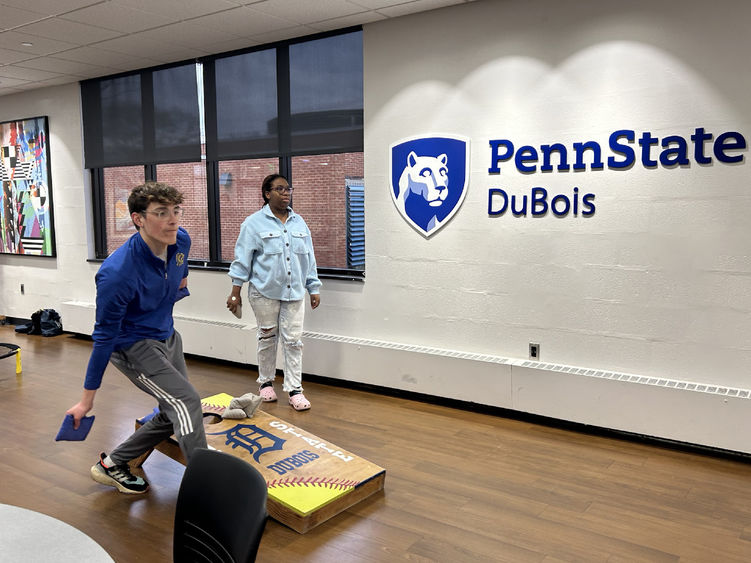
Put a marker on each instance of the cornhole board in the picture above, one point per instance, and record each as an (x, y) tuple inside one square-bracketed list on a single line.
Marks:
[(309, 479)]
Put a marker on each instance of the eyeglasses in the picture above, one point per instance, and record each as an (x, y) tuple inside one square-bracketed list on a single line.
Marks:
[(283, 189), (164, 214)]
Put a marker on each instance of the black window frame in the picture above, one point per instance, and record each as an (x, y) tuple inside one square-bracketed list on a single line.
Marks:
[(284, 153)]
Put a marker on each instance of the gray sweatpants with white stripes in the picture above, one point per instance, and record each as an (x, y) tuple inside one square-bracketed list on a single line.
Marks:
[(158, 368)]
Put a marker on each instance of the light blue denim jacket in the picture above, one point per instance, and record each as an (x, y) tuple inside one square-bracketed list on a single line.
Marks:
[(277, 258)]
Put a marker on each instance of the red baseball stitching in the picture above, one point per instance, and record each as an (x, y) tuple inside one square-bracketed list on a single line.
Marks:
[(327, 482)]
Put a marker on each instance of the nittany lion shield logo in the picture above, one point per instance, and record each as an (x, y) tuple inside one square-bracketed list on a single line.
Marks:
[(429, 178)]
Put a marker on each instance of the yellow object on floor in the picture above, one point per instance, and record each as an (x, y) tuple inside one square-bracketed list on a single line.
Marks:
[(13, 349)]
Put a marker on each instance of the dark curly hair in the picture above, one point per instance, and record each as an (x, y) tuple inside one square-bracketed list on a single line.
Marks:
[(141, 196)]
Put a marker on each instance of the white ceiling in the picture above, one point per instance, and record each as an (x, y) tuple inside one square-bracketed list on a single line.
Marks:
[(50, 42)]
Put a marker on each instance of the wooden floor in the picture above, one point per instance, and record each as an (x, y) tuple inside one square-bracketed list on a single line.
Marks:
[(460, 486)]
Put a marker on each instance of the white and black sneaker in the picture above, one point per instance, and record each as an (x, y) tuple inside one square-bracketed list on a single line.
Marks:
[(118, 476)]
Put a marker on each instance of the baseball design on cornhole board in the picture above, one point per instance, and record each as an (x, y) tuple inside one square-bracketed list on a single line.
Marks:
[(309, 479)]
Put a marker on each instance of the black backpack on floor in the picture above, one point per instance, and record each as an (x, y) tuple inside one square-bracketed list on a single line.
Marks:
[(46, 322)]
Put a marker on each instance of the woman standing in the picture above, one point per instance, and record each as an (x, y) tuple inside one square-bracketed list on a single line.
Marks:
[(274, 253)]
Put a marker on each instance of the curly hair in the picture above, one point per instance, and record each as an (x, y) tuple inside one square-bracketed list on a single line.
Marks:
[(141, 196)]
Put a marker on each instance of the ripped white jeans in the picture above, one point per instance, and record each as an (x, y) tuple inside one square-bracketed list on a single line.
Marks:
[(275, 317)]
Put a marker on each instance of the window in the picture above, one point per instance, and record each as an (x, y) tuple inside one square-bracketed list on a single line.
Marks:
[(239, 196), (190, 179), (246, 106), (118, 182), (320, 196), (215, 129), (141, 118), (325, 85)]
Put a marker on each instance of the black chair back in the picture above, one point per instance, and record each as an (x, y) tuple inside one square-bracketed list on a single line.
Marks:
[(221, 510)]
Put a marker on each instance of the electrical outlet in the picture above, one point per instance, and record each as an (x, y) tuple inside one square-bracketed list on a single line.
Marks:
[(534, 351), (22, 289)]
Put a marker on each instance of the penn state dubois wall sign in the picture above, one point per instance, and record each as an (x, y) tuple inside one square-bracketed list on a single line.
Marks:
[(429, 179)]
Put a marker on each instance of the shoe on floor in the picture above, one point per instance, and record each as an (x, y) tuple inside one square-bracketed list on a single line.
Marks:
[(299, 402), (267, 394), (118, 476)]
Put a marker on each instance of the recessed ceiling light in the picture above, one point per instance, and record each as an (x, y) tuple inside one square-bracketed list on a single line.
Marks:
[(27, 44)]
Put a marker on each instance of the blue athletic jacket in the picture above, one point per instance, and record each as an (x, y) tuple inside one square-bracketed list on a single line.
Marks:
[(135, 294)]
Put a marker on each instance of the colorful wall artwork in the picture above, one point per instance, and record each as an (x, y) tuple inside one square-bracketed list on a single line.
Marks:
[(26, 211)]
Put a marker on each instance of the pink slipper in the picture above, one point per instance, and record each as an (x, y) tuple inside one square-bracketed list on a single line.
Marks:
[(299, 402), (267, 394)]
